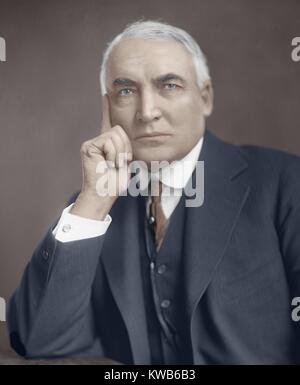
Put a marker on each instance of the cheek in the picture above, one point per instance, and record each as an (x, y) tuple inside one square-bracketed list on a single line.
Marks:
[(123, 116), (185, 111)]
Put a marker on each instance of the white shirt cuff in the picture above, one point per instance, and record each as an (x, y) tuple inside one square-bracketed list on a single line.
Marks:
[(72, 227)]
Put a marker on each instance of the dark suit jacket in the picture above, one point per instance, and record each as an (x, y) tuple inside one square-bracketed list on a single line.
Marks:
[(241, 270)]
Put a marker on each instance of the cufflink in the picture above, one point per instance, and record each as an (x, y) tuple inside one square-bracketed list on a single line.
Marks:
[(66, 228)]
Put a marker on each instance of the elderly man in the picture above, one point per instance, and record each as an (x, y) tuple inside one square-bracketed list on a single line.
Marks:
[(146, 279)]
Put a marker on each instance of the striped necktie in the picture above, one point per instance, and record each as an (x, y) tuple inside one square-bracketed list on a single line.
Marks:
[(157, 217)]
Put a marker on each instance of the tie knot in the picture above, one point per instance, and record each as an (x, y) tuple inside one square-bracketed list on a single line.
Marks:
[(156, 190)]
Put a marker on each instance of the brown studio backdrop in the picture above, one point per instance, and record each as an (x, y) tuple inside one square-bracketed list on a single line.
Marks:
[(50, 99)]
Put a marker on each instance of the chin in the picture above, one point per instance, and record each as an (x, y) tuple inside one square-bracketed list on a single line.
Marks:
[(158, 153)]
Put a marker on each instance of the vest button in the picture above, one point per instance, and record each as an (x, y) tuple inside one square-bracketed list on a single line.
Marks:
[(165, 303), (45, 255), (161, 269)]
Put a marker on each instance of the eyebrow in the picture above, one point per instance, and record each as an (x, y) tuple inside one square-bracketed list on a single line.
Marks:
[(161, 79), (123, 82), (168, 77)]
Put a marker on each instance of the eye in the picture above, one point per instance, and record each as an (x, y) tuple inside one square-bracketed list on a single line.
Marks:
[(170, 86), (125, 92)]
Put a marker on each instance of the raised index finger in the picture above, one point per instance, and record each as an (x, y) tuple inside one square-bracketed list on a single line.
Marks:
[(105, 121)]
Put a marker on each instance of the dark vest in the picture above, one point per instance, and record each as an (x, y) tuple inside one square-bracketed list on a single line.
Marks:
[(162, 285)]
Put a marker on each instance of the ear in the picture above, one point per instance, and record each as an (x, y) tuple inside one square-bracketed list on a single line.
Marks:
[(207, 96)]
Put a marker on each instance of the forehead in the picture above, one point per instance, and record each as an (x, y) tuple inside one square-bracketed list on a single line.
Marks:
[(139, 58)]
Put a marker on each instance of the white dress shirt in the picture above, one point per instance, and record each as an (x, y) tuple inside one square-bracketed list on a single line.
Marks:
[(174, 178)]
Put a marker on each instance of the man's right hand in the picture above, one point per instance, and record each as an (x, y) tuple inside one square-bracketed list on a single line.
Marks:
[(102, 153)]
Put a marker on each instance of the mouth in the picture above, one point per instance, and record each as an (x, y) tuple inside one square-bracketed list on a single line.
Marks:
[(154, 136)]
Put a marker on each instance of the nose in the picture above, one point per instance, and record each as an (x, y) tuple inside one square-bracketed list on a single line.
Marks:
[(147, 109)]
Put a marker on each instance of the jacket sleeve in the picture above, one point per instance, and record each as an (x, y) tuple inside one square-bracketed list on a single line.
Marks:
[(289, 236), (50, 314), (289, 221)]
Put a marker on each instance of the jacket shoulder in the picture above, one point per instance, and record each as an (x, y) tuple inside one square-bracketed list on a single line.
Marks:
[(277, 162), (258, 154)]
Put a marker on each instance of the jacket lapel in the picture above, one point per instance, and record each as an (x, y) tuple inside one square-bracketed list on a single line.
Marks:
[(208, 228), (122, 264)]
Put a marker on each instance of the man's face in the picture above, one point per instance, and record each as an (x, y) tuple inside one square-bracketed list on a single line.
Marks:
[(154, 96)]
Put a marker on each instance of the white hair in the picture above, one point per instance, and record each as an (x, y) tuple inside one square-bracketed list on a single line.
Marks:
[(157, 30)]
